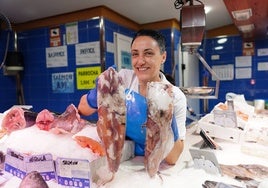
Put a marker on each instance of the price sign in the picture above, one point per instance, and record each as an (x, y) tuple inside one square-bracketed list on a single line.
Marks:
[(86, 77)]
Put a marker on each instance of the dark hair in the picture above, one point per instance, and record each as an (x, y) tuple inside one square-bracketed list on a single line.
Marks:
[(169, 78), (157, 36)]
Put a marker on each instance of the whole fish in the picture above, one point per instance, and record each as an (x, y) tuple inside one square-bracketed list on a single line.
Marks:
[(111, 110), (214, 184), (67, 122), (260, 171), (33, 180), (245, 171), (249, 174), (159, 135)]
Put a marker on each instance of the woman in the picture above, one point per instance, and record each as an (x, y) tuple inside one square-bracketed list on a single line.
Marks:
[(148, 54)]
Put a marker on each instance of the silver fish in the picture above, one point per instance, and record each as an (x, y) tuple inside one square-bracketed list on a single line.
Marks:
[(214, 184), (33, 180)]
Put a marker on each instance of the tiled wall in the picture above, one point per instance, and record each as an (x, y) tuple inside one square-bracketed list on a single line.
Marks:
[(36, 77), (7, 83), (231, 49)]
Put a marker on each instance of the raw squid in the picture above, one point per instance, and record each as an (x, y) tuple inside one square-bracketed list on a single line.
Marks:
[(111, 110), (159, 135)]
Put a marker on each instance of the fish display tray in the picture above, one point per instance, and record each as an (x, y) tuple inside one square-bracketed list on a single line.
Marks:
[(198, 90), (213, 130)]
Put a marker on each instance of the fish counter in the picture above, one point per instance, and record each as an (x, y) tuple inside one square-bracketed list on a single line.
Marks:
[(63, 150), (131, 172)]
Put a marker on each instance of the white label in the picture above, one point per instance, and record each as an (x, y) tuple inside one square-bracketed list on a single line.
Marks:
[(262, 66), (215, 57)]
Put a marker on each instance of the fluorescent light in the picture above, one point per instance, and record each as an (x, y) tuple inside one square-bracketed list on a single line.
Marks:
[(246, 28), (222, 40), (241, 15), (218, 48), (207, 9)]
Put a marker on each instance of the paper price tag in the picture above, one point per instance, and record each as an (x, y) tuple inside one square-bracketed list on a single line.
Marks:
[(19, 164), (73, 172), (44, 164), (14, 163)]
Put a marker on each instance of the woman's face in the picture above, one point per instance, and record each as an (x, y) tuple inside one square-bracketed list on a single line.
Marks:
[(146, 59)]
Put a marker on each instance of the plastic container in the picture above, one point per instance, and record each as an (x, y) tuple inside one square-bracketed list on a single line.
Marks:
[(259, 105)]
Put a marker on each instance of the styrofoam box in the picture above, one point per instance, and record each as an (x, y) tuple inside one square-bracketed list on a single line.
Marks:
[(217, 131)]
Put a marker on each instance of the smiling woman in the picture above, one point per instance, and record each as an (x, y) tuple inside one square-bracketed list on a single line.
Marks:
[(148, 54)]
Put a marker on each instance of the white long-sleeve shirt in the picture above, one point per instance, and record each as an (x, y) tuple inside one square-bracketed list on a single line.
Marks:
[(180, 105)]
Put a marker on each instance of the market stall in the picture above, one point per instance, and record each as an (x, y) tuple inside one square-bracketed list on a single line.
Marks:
[(240, 162)]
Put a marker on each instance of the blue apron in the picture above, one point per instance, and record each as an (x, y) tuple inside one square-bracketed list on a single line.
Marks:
[(136, 118)]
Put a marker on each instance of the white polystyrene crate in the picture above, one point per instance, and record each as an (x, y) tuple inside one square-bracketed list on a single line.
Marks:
[(217, 131)]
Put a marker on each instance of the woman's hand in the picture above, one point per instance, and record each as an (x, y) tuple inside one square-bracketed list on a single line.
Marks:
[(84, 108)]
